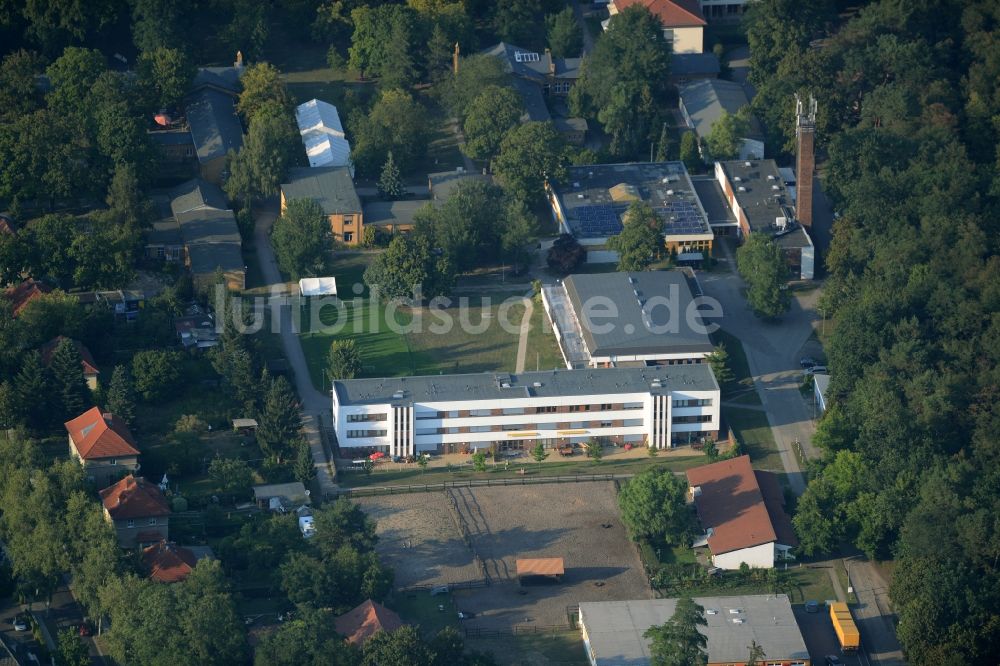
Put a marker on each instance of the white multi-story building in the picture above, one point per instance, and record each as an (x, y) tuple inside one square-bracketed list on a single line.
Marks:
[(658, 407)]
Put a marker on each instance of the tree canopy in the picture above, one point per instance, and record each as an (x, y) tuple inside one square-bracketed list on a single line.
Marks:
[(640, 239), (653, 504), (300, 237), (530, 153), (677, 642), (624, 81), (765, 271), (488, 118), (396, 123)]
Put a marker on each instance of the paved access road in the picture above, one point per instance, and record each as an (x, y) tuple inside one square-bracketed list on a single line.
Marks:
[(315, 405)]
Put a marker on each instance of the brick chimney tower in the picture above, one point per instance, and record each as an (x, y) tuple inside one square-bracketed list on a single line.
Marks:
[(805, 159)]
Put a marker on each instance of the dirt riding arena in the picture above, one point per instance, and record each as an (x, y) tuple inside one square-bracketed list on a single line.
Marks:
[(576, 521), (419, 539)]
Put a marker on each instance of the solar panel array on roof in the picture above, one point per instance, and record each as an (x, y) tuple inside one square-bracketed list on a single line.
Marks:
[(681, 217), (599, 219)]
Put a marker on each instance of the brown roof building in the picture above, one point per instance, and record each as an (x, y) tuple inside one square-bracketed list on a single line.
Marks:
[(104, 446), (90, 371), (742, 512), (682, 20), (24, 293), (167, 562), (138, 510), (360, 624)]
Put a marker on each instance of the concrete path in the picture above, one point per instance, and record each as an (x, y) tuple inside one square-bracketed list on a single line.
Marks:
[(522, 339), (873, 613), (772, 351), (316, 407)]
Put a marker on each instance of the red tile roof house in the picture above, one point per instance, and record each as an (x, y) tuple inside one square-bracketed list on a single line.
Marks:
[(743, 514), (90, 371), (360, 624), (104, 446), (169, 563), (138, 510), (682, 20), (24, 293)]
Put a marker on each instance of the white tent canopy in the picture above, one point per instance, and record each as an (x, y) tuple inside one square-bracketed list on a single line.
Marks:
[(318, 286), (323, 134)]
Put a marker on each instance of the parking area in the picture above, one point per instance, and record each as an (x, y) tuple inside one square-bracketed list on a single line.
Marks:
[(817, 630), (577, 522)]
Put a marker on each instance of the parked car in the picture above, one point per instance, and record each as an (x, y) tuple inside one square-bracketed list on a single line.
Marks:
[(20, 623), (818, 370), (808, 362), (832, 660), (812, 607)]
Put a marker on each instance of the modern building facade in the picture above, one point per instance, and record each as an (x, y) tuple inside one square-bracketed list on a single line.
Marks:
[(613, 630), (761, 203), (658, 407), (609, 319)]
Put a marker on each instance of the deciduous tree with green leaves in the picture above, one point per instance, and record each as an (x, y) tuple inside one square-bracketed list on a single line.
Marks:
[(538, 453), (489, 117), (678, 642), (689, 152), (530, 154), (262, 85), (653, 505), (165, 76), (232, 475), (410, 262), (397, 122), (640, 239), (725, 138), (765, 271), (563, 32), (299, 238), (156, 373)]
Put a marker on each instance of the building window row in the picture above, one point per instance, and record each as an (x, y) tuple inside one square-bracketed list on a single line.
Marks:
[(360, 418), (694, 402), (357, 434), (697, 418)]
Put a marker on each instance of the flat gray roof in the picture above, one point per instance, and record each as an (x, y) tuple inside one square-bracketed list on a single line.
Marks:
[(706, 100), (691, 64), (796, 238), (764, 196), (331, 187), (615, 628), (632, 331), (493, 386), (594, 197), (713, 200)]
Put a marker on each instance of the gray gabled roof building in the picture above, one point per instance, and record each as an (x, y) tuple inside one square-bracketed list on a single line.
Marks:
[(215, 127), (331, 187)]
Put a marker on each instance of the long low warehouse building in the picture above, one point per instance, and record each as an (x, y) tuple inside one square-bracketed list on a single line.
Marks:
[(659, 407)]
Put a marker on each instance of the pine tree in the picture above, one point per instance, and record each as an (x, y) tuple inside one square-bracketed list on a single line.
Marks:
[(279, 420), (32, 390), (305, 468), (71, 390), (389, 184), (120, 395)]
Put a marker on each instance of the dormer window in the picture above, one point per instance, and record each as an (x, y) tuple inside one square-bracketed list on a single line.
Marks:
[(130, 523)]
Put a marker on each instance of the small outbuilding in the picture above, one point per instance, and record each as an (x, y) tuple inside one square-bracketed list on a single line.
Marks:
[(281, 497), (245, 426), (361, 623), (541, 567), (318, 286)]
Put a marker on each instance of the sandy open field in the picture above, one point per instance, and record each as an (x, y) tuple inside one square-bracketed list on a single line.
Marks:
[(576, 521), (418, 538)]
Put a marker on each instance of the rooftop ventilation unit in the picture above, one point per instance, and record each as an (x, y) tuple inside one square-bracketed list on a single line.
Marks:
[(631, 280), (735, 611), (737, 179), (537, 384), (670, 193), (770, 176), (398, 395), (776, 187), (741, 189), (748, 164), (711, 611), (737, 620)]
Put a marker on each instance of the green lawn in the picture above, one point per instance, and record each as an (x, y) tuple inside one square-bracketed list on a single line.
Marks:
[(431, 614), (396, 474), (562, 649), (742, 378), (543, 349), (754, 431)]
